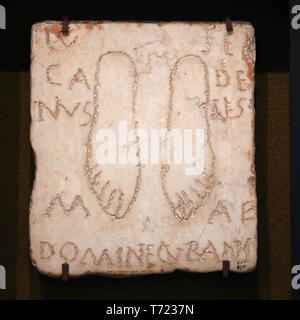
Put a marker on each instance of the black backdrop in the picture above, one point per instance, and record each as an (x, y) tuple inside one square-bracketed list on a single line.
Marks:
[(271, 22)]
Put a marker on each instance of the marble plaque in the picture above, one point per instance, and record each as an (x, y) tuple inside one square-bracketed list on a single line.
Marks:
[(143, 136)]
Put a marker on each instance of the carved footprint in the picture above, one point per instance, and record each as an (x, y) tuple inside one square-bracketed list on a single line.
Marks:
[(188, 103), (115, 186)]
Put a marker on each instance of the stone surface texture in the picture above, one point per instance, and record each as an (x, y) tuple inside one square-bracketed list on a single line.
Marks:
[(131, 219)]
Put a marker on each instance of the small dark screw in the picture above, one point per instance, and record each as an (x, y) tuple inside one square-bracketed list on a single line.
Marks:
[(65, 25), (65, 271), (228, 23), (226, 267)]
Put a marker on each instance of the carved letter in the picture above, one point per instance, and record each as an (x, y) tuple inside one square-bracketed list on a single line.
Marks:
[(69, 251), (46, 250), (248, 211), (228, 251), (49, 79), (210, 250), (104, 257), (169, 259), (217, 113), (54, 114), (220, 210), (192, 248), (80, 77), (139, 257), (149, 254), (241, 109), (222, 78), (242, 83)]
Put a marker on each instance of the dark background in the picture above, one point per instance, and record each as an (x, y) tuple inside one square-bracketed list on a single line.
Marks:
[(269, 18), (271, 280)]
